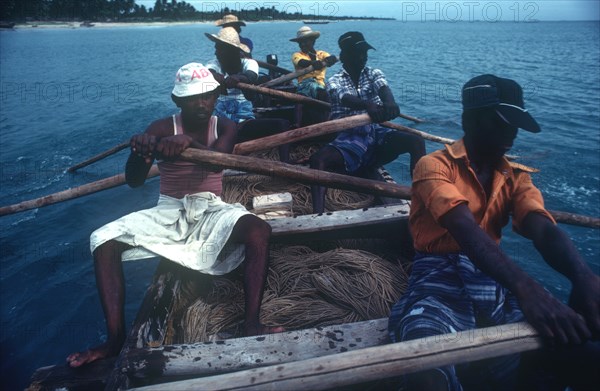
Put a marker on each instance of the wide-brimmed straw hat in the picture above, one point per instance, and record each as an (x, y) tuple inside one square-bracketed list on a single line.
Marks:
[(305, 32), (230, 37), (229, 20), (194, 79)]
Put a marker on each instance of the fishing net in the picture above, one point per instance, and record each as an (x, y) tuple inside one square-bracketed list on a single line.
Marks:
[(305, 288), (242, 188)]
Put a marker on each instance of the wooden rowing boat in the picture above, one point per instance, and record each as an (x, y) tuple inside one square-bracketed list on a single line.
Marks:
[(158, 349)]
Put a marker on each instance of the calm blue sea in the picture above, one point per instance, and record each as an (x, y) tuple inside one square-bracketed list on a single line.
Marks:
[(68, 94)]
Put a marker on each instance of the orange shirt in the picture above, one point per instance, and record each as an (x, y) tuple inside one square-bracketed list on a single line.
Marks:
[(444, 179), (319, 75)]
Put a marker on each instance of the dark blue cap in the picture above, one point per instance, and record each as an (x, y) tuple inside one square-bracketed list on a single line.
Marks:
[(505, 95), (353, 40)]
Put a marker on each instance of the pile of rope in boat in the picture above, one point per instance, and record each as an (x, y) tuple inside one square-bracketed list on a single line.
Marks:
[(242, 188), (305, 288)]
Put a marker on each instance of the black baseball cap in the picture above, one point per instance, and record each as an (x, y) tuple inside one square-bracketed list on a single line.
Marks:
[(505, 95), (353, 40)]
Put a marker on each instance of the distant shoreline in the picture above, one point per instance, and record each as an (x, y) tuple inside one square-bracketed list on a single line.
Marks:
[(83, 25)]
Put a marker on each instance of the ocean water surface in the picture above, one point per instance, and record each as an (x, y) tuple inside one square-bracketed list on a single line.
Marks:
[(67, 95)]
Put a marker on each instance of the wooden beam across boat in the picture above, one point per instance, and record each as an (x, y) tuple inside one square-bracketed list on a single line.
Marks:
[(338, 220), (370, 364), (212, 358)]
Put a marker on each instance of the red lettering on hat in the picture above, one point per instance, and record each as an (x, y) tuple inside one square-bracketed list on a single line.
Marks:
[(196, 75), (178, 76)]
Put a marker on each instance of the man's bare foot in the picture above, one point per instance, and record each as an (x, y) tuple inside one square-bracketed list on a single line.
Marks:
[(262, 329), (105, 350)]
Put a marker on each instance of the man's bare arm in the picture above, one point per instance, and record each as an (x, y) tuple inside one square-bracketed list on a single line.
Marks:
[(560, 253), (546, 314)]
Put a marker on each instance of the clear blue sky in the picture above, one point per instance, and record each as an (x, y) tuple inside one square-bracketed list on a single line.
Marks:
[(419, 10)]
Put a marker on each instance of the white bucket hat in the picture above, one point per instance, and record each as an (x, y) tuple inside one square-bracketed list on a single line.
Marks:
[(228, 36), (305, 32), (194, 79)]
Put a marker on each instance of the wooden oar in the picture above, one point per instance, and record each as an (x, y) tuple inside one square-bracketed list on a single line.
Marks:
[(291, 76), (575, 219), (282, 94), (339, 181), (295, 172), (225, 160), (431, 137), (303, 133), (266, 167), (424, 135), (100, 156), (304, 99), (69, 194), (272, 67), (369, 364)]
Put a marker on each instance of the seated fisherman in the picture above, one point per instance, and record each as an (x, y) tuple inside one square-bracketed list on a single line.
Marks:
[(358, 89), (229, 70), (461, 279), (312, 84), (190, 224)]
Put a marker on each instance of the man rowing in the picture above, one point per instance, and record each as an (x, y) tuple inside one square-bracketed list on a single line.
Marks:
[(190, 225), (311, 84), (461, 279), (359, 89), (230, 70)]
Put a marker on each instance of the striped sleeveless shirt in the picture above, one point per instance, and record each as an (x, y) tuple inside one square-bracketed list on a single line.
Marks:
[(179, 177)]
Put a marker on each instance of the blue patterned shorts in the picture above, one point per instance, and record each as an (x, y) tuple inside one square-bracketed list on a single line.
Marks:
[(447, 294), (358, 145), (236, 110)]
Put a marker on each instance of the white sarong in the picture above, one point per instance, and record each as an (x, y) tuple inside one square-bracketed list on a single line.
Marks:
[(192, 231)]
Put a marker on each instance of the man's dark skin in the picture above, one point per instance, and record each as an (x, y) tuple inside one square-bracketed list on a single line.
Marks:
[(555, 321), (330, 159), (231, 63), (159, 142), (307, 46)]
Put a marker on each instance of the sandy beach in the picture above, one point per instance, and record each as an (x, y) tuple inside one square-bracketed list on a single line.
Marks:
[(79, 24)]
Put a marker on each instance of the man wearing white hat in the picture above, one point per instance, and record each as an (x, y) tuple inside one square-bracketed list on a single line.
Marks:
[(312, 84), (190, 225)]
